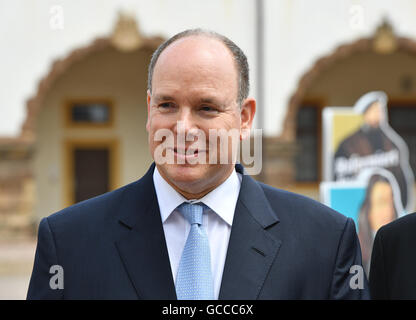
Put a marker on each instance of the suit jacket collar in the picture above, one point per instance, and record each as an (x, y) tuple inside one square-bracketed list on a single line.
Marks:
[(143, 251), (255, 201), (251, 249)]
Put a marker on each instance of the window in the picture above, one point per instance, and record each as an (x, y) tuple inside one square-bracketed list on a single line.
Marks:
[(402, 118), (95, 113), (308, 135), (89, 113)]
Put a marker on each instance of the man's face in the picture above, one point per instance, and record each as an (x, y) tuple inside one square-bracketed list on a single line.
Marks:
[(373, 115), (194, 89)]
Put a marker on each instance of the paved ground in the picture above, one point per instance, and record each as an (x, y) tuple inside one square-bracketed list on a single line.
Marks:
[(16, 262)]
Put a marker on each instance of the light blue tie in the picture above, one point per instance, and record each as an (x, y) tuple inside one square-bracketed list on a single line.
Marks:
[(194, 278)]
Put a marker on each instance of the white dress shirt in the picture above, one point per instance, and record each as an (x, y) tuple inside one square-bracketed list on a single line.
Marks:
[(217, 221)]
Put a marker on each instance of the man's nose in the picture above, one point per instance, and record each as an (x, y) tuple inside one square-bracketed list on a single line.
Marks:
[(185, 123)]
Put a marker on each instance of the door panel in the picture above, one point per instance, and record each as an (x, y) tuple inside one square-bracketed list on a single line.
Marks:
[(91, 172)]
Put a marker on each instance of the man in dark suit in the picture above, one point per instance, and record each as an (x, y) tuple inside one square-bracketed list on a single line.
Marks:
[(393, 260), (197, 230)]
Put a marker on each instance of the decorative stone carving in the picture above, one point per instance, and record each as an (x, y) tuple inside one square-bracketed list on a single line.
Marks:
[(126, 35), (385, 41)]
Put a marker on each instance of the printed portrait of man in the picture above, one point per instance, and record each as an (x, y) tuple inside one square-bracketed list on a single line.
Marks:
[(375, 144)]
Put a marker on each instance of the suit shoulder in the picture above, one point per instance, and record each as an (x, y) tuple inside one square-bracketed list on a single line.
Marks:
[(91, 210), (402, 226), (300, 207)]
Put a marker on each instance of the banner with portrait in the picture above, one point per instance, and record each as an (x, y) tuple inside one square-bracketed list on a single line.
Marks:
[(371, 200), (361, 152)]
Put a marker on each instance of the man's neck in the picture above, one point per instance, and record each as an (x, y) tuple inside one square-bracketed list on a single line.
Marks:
[(198, 195)]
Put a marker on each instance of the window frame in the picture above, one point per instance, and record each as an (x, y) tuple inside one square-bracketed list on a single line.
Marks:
[(70, 145), (69, 104), (319, 103), (397, 103)]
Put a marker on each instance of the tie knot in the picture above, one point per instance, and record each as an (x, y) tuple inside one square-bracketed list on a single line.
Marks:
[(192, 212)]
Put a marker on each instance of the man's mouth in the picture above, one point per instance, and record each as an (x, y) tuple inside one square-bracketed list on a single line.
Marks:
[(187, 152), (187, 155)]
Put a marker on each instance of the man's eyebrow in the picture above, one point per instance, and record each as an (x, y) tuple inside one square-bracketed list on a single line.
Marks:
[(206, 100), (162, 97), (210, 100), (201, 100)]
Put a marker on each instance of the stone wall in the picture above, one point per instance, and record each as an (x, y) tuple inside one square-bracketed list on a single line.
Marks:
[(278, 164), (17, 192)]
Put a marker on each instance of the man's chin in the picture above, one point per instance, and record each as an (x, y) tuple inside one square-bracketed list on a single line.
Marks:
[(196, 179), (185, 173), (191, 179)]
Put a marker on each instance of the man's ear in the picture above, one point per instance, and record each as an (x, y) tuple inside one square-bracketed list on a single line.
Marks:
[(247, 112), (149, 98)]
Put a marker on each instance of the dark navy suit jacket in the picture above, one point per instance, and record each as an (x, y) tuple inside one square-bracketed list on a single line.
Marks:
[(393, 260), (282, 246)]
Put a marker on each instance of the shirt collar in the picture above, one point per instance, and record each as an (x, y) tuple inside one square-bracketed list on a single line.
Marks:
[(169, 199)]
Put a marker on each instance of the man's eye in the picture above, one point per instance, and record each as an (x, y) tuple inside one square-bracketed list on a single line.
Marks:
[(166, 105), (208, 109)]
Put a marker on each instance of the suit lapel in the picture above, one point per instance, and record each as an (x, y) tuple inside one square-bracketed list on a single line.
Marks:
[(252, 249), (143, 249)]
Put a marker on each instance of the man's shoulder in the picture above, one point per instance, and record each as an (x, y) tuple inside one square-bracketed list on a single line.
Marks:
[(95, 210), (402, 227), (294, 206)]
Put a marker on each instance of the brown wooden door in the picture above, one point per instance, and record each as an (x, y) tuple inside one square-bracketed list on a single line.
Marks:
[(91, 172)]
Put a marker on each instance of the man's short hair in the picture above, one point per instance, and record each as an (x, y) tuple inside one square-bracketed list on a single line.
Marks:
[(240, 59)]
